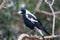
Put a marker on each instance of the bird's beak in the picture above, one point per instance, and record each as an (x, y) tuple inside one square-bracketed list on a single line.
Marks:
[(19, 12)]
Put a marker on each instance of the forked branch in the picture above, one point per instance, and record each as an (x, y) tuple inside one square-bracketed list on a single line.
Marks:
[(50, 5)]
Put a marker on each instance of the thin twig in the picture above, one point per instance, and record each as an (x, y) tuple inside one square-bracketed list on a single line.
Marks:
[(50, 5), (53, 27), (46, 13)]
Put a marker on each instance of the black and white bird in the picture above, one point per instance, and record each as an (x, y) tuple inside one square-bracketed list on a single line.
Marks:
[(32, 22)]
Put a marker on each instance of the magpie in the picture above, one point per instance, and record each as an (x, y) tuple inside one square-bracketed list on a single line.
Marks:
[(32, 22)]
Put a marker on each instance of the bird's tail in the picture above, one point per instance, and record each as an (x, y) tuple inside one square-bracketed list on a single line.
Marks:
[(46, 31), (40, 26), (40, 31)]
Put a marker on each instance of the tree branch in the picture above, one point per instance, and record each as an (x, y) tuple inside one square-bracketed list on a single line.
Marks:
[(46, 13), (22, 36), (50, 5), (3, 4), (57, 12), (38, 4), (43, 12)]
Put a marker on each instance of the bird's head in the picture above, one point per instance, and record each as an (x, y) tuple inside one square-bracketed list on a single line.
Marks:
[(22, 9)]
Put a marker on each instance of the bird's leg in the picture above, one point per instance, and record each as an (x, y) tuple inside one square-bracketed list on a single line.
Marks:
[(32, 32)]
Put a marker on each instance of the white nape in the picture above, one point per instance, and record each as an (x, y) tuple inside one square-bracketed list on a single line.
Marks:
[(27, 12)]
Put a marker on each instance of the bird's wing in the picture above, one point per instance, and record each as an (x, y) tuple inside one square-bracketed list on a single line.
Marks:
[(31, 18)]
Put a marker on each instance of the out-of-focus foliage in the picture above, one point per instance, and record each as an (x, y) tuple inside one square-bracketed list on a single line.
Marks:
[(9, 19)]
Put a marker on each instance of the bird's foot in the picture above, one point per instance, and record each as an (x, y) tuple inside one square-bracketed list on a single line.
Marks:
[(31, 33)]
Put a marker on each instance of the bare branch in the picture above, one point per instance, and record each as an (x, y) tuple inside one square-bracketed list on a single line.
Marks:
[(46, 13), (3, 4), (58, 12), (49, 3), (38, 4), (36, 37), (43, 12)]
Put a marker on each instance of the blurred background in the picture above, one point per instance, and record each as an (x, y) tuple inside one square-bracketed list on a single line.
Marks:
[(12, 24)]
